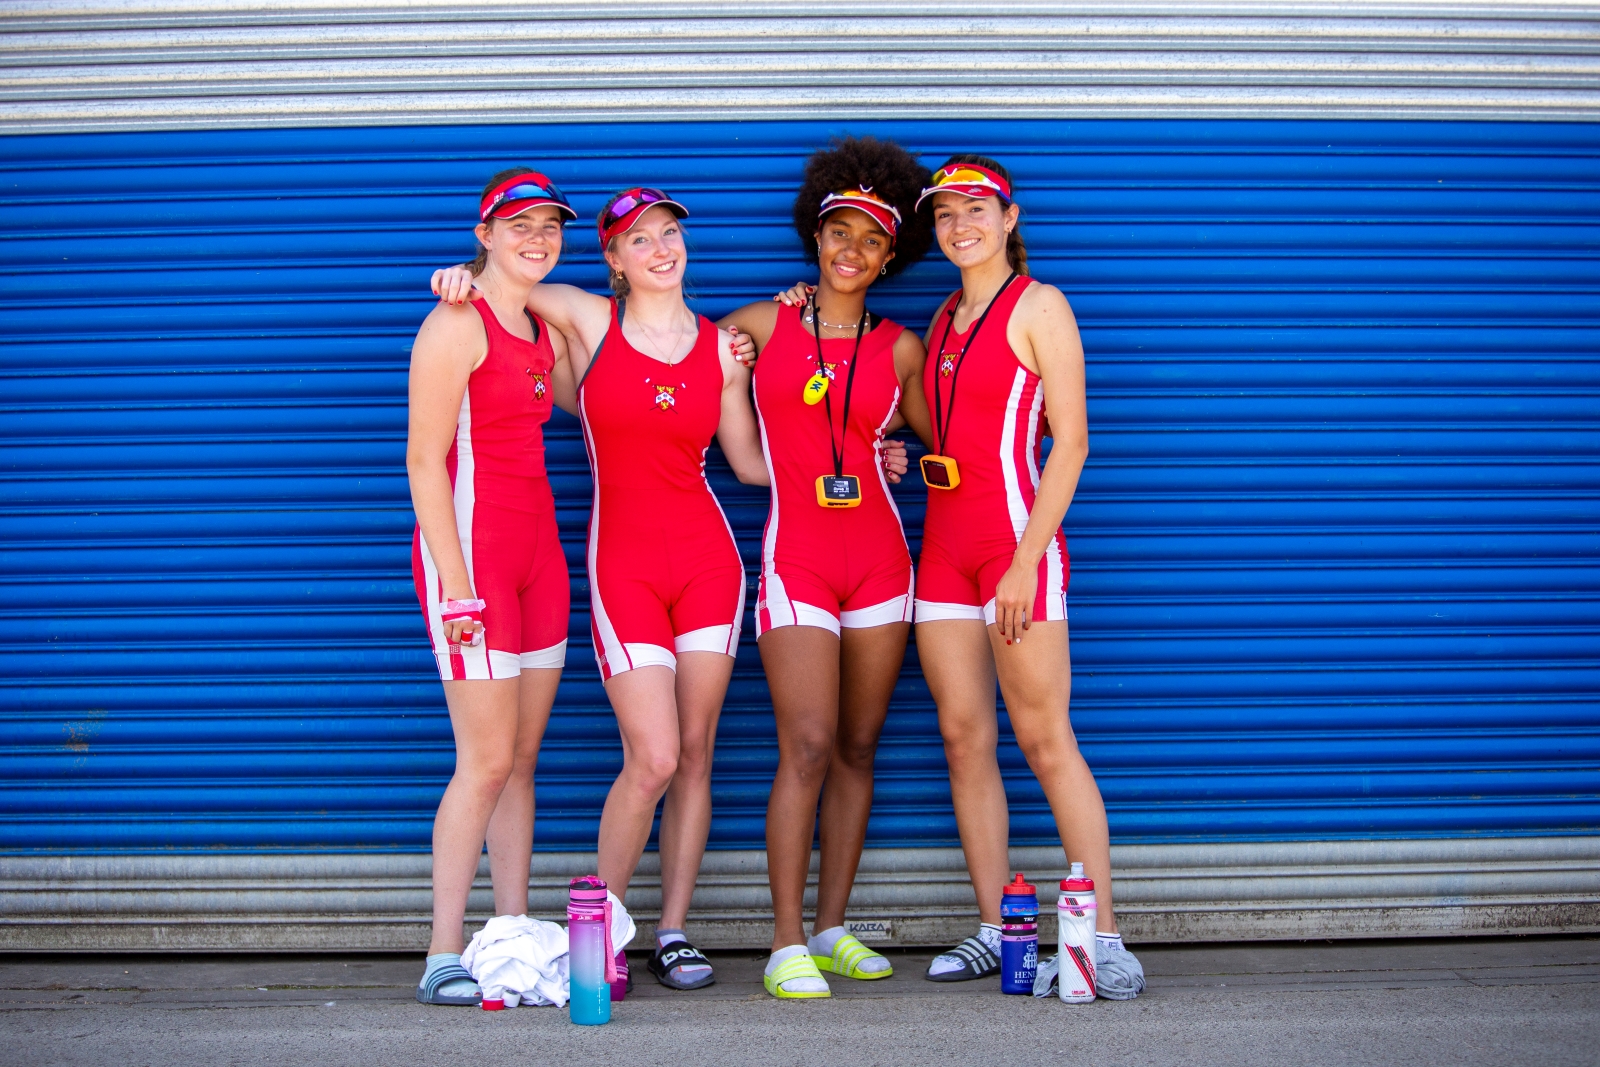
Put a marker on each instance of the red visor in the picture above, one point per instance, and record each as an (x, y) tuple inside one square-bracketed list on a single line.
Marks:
[(624, 210), (864, 199), (968, 179), (513, 196)]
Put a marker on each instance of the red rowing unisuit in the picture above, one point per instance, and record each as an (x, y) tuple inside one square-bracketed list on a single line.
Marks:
[(664, 573), (971, 532), (505, 516), (829, 567)]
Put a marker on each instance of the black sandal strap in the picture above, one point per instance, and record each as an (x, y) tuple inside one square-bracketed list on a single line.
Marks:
[(976, 954)]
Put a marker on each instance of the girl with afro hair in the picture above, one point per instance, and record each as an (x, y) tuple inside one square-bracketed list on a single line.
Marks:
[(836, 597)]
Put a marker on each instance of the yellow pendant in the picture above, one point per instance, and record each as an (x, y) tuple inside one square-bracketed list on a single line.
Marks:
[(816, 388)]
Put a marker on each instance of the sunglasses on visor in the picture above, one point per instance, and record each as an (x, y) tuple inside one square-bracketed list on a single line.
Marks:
[(627, 200), (526, 191)]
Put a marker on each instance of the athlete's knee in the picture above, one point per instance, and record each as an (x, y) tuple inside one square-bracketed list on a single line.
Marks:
[(1049, 754), (652, 770), (856, 753), (964, 745), (808, 754), (484, 778), (694, 761)]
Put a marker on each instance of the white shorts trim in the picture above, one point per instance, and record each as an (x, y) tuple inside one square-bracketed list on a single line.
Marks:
[(554, 657), (639, 655), (800, 614), (934, 611), (896, 610), (1055, 609), (723, 639)]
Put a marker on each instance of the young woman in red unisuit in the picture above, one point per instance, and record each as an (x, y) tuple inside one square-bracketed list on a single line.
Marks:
[(835, 603), (992, 578), (486, 556), (666, 582)]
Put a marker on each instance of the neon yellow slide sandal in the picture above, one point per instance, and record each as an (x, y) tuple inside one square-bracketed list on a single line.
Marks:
[(848, 956), (790, 969)]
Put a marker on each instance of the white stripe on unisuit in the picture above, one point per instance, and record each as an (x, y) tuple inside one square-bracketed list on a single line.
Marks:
[(1016, 506), (877, 447), (613, 650), (475, 658), (776, 598), (435, 607), (738, 612), (1055, 609)]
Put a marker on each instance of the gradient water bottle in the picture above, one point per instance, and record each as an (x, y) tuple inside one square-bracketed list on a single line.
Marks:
[(1019, 937), (591, 968), (1075, 922)]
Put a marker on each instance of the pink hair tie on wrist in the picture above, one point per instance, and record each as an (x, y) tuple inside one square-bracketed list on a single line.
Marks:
[(472, 610)]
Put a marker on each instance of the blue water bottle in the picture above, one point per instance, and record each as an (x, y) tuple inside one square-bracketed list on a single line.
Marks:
[(1019, 937)]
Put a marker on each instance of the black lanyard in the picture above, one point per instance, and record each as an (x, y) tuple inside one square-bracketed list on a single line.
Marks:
[(849, 383), (940, 421)]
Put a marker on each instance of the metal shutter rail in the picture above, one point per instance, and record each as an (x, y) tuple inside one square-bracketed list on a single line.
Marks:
[(1334, 553), (1235, 891), (68, 65)]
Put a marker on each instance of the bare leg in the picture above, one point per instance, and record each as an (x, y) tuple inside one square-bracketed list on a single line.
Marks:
[(702, 684), (647, 715), (802, 664), (959, 667), (870, 662), (1036, 678), (484, 719), (510, 833)]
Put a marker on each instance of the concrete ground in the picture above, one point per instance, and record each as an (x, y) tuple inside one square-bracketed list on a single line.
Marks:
[(1499, 1001)]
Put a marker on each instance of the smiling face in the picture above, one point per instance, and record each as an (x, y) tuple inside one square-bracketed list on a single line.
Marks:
[(852, 249), (525, 248), (972, 230), (651, 255)]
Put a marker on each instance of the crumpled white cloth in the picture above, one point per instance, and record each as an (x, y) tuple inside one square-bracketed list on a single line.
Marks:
[(1118, 974), (514, 954), (525, 960)]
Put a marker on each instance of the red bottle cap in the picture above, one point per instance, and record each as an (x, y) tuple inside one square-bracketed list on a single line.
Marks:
[(1020, 886), (491, 1005), (1077, 885)]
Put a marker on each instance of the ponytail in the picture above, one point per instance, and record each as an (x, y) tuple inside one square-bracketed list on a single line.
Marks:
[(1016, 251)]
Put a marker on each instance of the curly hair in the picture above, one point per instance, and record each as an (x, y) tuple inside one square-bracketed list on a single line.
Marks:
[(883, 166), (1016, 249)]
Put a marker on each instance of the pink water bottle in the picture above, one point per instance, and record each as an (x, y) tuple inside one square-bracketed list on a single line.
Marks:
[(592, 966)]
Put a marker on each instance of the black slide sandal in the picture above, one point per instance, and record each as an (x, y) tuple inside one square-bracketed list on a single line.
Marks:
[(977, 961), (679, 954)]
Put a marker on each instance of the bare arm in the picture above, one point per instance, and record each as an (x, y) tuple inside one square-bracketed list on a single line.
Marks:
[(736, 432), (577, 314), (758, 320), (1051, 345), (909, 357), (450, 345)]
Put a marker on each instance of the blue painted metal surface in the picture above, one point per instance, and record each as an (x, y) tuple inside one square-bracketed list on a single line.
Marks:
[(1336, 569)]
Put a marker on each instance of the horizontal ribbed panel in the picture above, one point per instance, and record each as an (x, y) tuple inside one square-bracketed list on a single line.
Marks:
[(79, 65), (1335, 550), (1236, 891)]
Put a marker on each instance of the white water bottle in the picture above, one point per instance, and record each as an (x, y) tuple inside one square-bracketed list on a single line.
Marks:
[(1075, 922)]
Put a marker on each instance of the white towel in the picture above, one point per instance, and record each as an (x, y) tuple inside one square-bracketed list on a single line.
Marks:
[(516, 954)]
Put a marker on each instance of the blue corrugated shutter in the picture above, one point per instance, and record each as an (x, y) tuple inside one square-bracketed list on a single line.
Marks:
[(1334, 555)]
